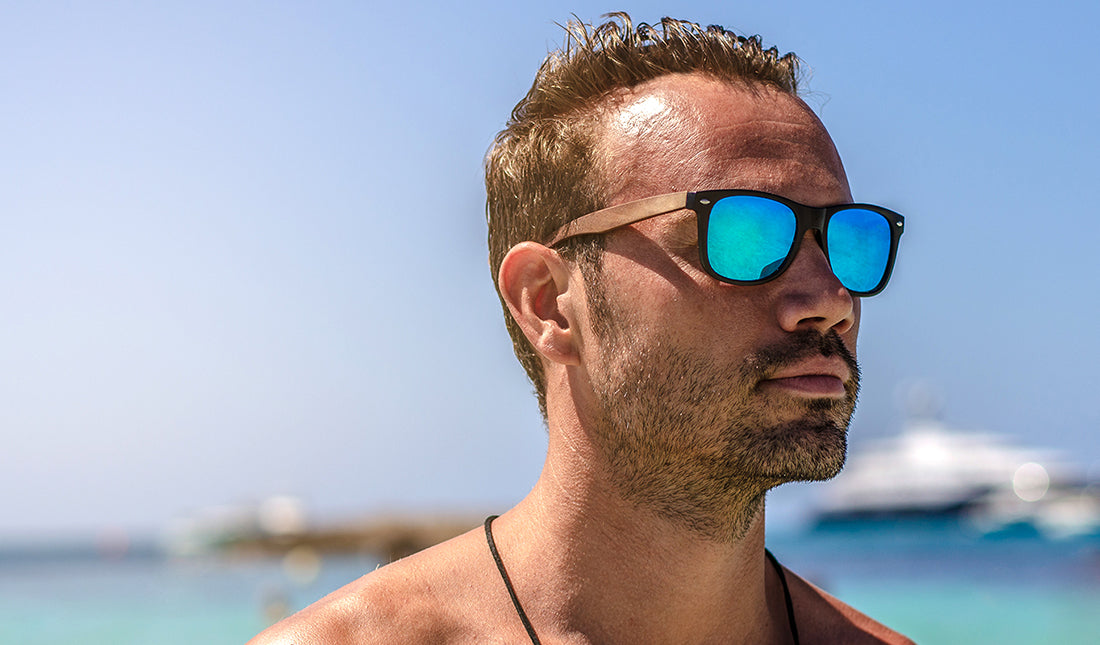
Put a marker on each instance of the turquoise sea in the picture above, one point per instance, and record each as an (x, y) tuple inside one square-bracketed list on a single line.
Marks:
[(936, 583)]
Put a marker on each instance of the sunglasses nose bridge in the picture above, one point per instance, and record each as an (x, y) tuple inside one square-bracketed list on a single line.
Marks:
[(815, 219)]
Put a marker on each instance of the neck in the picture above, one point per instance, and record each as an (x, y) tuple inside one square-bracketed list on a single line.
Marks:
[(588, 563)]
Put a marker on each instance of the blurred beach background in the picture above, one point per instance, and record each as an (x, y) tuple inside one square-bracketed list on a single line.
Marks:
[(935, 584), (244, 284)]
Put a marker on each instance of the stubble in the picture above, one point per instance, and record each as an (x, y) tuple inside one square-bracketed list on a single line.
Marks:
[(698, 443)]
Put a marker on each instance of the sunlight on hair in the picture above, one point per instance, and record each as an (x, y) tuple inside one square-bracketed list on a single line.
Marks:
[(637, 117)]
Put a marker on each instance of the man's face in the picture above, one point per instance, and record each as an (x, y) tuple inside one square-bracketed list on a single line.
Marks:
[(708, 394)]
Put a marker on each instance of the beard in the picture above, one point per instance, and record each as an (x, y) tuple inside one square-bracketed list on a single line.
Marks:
[(697, 442)]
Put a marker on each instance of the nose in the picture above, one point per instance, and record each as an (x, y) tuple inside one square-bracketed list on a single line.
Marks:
[(811, 296)]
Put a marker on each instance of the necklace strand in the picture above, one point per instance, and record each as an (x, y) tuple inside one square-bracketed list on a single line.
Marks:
[(531, 630), (507, 581)]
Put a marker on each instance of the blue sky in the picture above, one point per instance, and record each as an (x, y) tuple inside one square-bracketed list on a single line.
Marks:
[(242, 244)]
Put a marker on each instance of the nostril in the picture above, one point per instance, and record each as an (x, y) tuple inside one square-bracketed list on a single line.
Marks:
[(845, 325), (810, 304)]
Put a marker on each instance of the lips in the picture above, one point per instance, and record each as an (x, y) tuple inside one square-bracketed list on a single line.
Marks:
[(815, 376)]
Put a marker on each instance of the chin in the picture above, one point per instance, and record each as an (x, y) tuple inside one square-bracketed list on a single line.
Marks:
[(800, 452)]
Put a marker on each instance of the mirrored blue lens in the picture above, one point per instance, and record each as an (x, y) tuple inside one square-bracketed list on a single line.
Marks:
[(748, 237), (859, 247)]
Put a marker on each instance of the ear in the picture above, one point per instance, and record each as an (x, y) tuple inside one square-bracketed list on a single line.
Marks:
[(534, 282)]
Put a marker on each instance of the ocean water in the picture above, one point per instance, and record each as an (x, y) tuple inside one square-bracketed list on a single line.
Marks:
[(935, 583), (939, 584)]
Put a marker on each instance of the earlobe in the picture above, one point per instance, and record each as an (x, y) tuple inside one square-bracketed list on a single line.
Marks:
[(534, 283)]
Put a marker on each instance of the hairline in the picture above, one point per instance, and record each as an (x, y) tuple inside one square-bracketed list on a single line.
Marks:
[(564, 114)]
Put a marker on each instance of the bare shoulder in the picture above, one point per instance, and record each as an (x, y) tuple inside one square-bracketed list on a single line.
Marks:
[(822, 618), (424, 598)]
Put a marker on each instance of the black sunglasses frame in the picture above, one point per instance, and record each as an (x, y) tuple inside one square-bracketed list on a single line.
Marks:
[(807, 218)]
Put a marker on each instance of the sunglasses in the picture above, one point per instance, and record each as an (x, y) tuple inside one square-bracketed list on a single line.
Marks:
[(748, 237)]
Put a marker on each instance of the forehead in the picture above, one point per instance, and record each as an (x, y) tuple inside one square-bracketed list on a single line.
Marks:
[(690, 132)]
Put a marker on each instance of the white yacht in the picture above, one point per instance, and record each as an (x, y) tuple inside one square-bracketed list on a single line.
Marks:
[(930, 471)]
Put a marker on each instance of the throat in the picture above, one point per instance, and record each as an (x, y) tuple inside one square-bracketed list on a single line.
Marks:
[(599, 596)]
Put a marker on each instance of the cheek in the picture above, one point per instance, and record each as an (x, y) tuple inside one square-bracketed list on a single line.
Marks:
[(725, 322)]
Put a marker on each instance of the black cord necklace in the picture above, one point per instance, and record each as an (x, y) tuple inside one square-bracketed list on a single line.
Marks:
[(508, 582), (531, 630), (786, 595)]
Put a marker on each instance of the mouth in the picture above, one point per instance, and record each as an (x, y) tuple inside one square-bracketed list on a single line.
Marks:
[(815, 377)]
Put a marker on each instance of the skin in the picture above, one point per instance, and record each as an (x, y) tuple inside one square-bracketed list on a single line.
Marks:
[(592, 561)]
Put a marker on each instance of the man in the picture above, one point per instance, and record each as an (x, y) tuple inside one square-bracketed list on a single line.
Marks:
[(690, 351)]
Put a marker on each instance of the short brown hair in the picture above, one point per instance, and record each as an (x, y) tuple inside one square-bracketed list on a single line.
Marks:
[(543, 169)]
